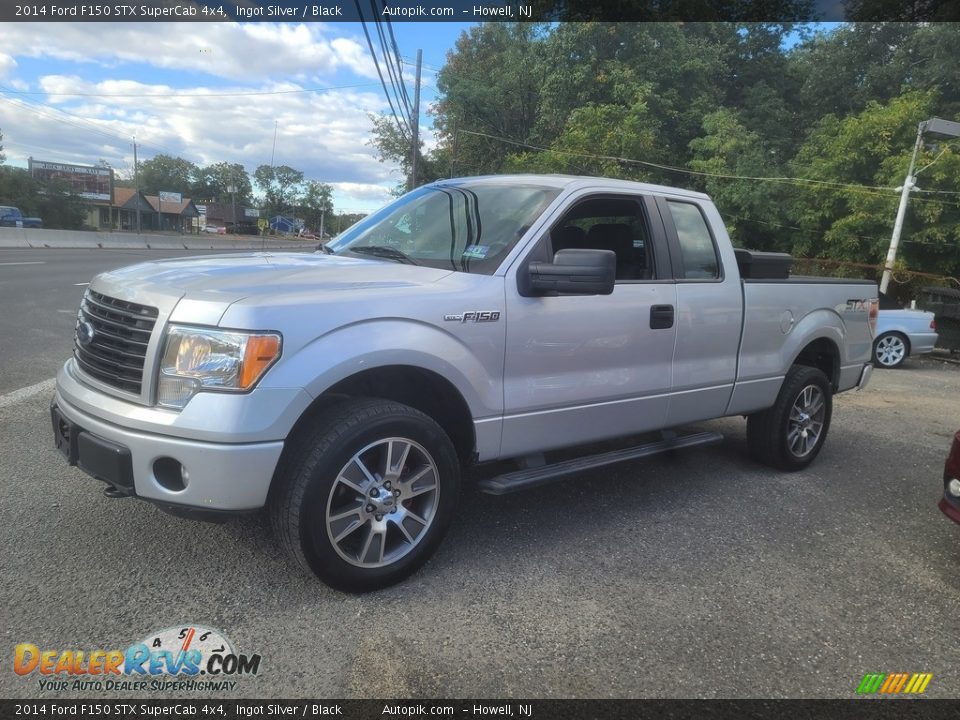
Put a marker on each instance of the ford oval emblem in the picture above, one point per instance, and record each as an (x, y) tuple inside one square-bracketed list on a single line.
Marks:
[(85, 333)]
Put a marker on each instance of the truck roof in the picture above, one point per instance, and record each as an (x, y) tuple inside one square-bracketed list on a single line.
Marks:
[(574, 182)]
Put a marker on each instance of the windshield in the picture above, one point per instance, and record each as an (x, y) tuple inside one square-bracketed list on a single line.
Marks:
[(468, 227)]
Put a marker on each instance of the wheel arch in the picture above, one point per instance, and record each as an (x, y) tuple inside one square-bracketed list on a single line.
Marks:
[(417, 387), (824, 354)]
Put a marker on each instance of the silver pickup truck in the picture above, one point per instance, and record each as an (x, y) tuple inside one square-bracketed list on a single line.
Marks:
[(470, 321)]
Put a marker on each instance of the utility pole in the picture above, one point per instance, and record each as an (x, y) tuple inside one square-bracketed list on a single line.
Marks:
[(908, 185), (136, 182), (276, 124), (415, 149)]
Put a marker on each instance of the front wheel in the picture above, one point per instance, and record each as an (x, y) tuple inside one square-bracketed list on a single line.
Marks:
[(367, 495), (790, 434), (890, 350)]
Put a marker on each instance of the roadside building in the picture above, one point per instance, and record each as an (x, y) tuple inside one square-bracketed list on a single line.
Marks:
[(173, 216), (285, 225)]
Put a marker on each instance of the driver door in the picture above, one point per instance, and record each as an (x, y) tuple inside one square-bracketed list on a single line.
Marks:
[(584, 368)]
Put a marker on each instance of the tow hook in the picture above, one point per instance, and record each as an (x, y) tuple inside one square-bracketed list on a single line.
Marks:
[(111, 492)]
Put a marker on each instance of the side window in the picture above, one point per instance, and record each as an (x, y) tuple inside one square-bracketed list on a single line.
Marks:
[(609, 223), (698, 255)]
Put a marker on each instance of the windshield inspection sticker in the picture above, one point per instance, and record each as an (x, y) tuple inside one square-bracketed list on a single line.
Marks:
[(476, 251)]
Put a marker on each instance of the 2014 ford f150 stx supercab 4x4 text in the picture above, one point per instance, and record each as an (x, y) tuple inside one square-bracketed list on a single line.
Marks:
[(471, 320)]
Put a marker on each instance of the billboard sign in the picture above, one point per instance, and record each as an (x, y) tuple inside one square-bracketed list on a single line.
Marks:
[(87, 181), (251, 212), (171, 197)]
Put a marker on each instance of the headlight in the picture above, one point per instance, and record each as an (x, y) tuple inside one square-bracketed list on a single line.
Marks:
[(196, 359)]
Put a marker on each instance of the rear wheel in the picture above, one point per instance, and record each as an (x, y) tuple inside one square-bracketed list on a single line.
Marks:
[(790, 434), (890, 350), (367, 495)]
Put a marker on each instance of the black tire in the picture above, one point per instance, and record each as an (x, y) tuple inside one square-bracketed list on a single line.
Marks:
[(890, 350), (325, 475), (780, 437)]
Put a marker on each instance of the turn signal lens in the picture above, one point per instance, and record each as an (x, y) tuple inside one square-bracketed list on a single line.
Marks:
[(260, 352)]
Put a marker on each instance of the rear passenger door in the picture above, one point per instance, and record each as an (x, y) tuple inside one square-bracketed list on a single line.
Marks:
[(709, 313), (581, 368)]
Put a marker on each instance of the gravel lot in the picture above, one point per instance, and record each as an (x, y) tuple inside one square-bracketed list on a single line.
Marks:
[(694, 575)]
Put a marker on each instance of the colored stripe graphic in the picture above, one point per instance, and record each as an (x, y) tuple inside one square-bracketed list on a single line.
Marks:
[(870, 683), (894, 683)]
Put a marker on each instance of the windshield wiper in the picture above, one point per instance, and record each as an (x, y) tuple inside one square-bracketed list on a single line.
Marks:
[(390, 253)]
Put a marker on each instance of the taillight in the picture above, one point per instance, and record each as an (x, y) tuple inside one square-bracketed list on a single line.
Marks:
[(872, 316), (952, 468), (933, 324)]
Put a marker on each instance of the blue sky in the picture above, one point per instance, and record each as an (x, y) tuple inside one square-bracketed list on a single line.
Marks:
[(79, 92), (165, 83)]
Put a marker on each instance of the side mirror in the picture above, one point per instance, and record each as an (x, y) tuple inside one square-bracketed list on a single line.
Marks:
[(573, 272)]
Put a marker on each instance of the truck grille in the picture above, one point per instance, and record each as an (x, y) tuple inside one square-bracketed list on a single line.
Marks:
[(121, 331)]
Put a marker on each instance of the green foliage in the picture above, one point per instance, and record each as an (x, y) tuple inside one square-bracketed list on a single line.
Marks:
[(281, 186), (3, 157), (166, 173), (53, 202), (316, 205), (744, 118), (213, 183)]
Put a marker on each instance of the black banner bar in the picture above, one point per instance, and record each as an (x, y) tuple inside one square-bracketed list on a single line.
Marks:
[(299, 11), (873, 709)]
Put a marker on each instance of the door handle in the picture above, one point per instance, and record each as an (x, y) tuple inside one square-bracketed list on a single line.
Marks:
[(661, 317)]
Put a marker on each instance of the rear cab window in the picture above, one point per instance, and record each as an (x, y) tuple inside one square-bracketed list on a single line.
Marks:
[(698, 252)]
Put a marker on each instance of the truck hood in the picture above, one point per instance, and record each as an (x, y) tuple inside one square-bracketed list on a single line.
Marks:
[(228, 278)]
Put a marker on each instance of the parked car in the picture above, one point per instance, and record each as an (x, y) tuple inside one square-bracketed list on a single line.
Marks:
[(470, 321), (12, 217), (901, 333), (215, 229), (950, 502)]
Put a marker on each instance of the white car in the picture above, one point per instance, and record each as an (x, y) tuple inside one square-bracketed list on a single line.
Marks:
[(901, 333), (215, 229)]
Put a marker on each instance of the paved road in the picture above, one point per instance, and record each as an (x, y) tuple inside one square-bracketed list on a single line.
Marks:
[(699, 575), (40, 291)]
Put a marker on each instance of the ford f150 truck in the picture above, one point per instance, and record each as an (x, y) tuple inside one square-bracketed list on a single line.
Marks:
[(470, 321)]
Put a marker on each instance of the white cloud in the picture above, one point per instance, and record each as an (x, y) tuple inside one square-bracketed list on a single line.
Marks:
[(7, 64), (248, 51), (206, 113)]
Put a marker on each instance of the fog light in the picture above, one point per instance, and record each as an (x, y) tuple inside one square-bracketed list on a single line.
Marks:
[(171, 474), (953, 487)]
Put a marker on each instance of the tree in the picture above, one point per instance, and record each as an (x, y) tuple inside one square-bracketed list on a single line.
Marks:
[(316, 205), (165, 172), (752, 209), (3, 158), (53, 202), (281, 187), (214, 181), (873, 149)]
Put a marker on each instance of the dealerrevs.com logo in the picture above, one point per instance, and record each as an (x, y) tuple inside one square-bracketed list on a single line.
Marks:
[(191, 658)]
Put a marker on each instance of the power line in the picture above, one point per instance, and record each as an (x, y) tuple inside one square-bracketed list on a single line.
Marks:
[(393, 67), (671, 168), (398, 118), (164, 96), (396, 55)]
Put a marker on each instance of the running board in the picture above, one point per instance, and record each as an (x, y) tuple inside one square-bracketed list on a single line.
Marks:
[(535, 477)]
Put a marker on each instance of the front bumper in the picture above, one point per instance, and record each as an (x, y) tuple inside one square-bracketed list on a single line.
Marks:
[(218, 477)]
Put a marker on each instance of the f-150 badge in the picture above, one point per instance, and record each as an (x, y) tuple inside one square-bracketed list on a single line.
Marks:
[(476, 316)]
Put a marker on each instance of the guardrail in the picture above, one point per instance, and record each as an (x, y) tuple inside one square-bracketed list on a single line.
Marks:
[(34, 238)]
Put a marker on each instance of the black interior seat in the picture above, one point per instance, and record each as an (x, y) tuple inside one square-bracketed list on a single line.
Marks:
[(618, 238), (568, 237)]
